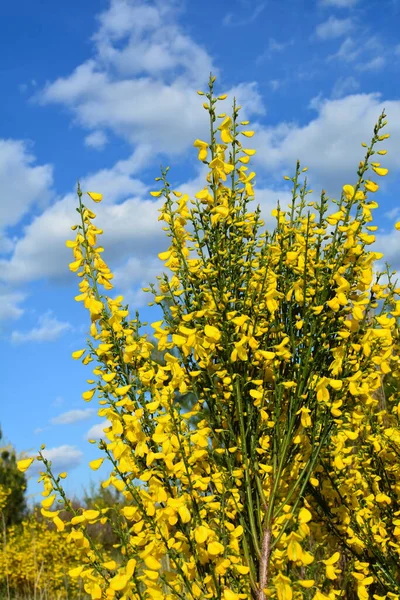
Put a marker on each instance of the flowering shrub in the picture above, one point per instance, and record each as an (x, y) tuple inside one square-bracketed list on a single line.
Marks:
[(34, 561), (282, 479)]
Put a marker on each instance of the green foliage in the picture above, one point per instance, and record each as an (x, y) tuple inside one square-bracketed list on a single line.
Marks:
[(12, 479)]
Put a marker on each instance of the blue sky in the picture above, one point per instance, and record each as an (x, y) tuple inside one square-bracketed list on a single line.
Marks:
[(105, 92)]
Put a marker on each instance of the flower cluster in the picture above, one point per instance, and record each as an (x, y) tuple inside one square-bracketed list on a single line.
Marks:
[(34, 562), (282, 478)]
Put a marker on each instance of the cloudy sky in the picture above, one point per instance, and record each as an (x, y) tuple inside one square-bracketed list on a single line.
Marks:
[(105, 92)]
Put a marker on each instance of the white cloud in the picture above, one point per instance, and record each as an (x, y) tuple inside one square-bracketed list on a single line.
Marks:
[(392, 214), (230, 20), (97, 431), (63, 458), (344, 86), (9, 309), (389, 245), (374, 64), (42, 252), (349, 50), (368, 55), (330, 143), (339, 3), (333, 28), (48, 329), (140, 82), (73, 416), (96, 140), (23, 184)]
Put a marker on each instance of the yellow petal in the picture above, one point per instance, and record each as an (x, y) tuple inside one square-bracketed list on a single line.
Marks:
[(201, 533), (74, 266), (96, 464), (88, 395), (212, 332), (108, 377), (121, 391), (95, 196), (371, 186), (118, 582), (78, 353), (156, 194), (397, 225), (380, 171), (47, 502), (332, 560), (306, 583), (348, 191), (152, 563), (215, 548), (304, 515), (24, 464), (90, 515), (59, 523), (75, 572)]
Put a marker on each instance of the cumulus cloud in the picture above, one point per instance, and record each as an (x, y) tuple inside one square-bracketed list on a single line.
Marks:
[(329, 144), (389, 244), (9, 305), (23, 184), (96, 140), (135, 85), (48, 329), (73, 416), (333, 28), (138, 81), (374, 64), (41, 252), (63, 458), (367, 55), (97, 431)]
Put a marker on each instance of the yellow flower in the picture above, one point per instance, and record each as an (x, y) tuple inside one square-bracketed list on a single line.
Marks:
[(24, 464), (330, 569), (88, 395), (380, 171), (118, 582), (371, 186), (225, 128), (397, 225), (215, 548), (283, 587), (212, 332), (78, 353), (202, 147), (47, 502), (96, 464), (306, 583), (95, 196), (348, 191), (152, 563)]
